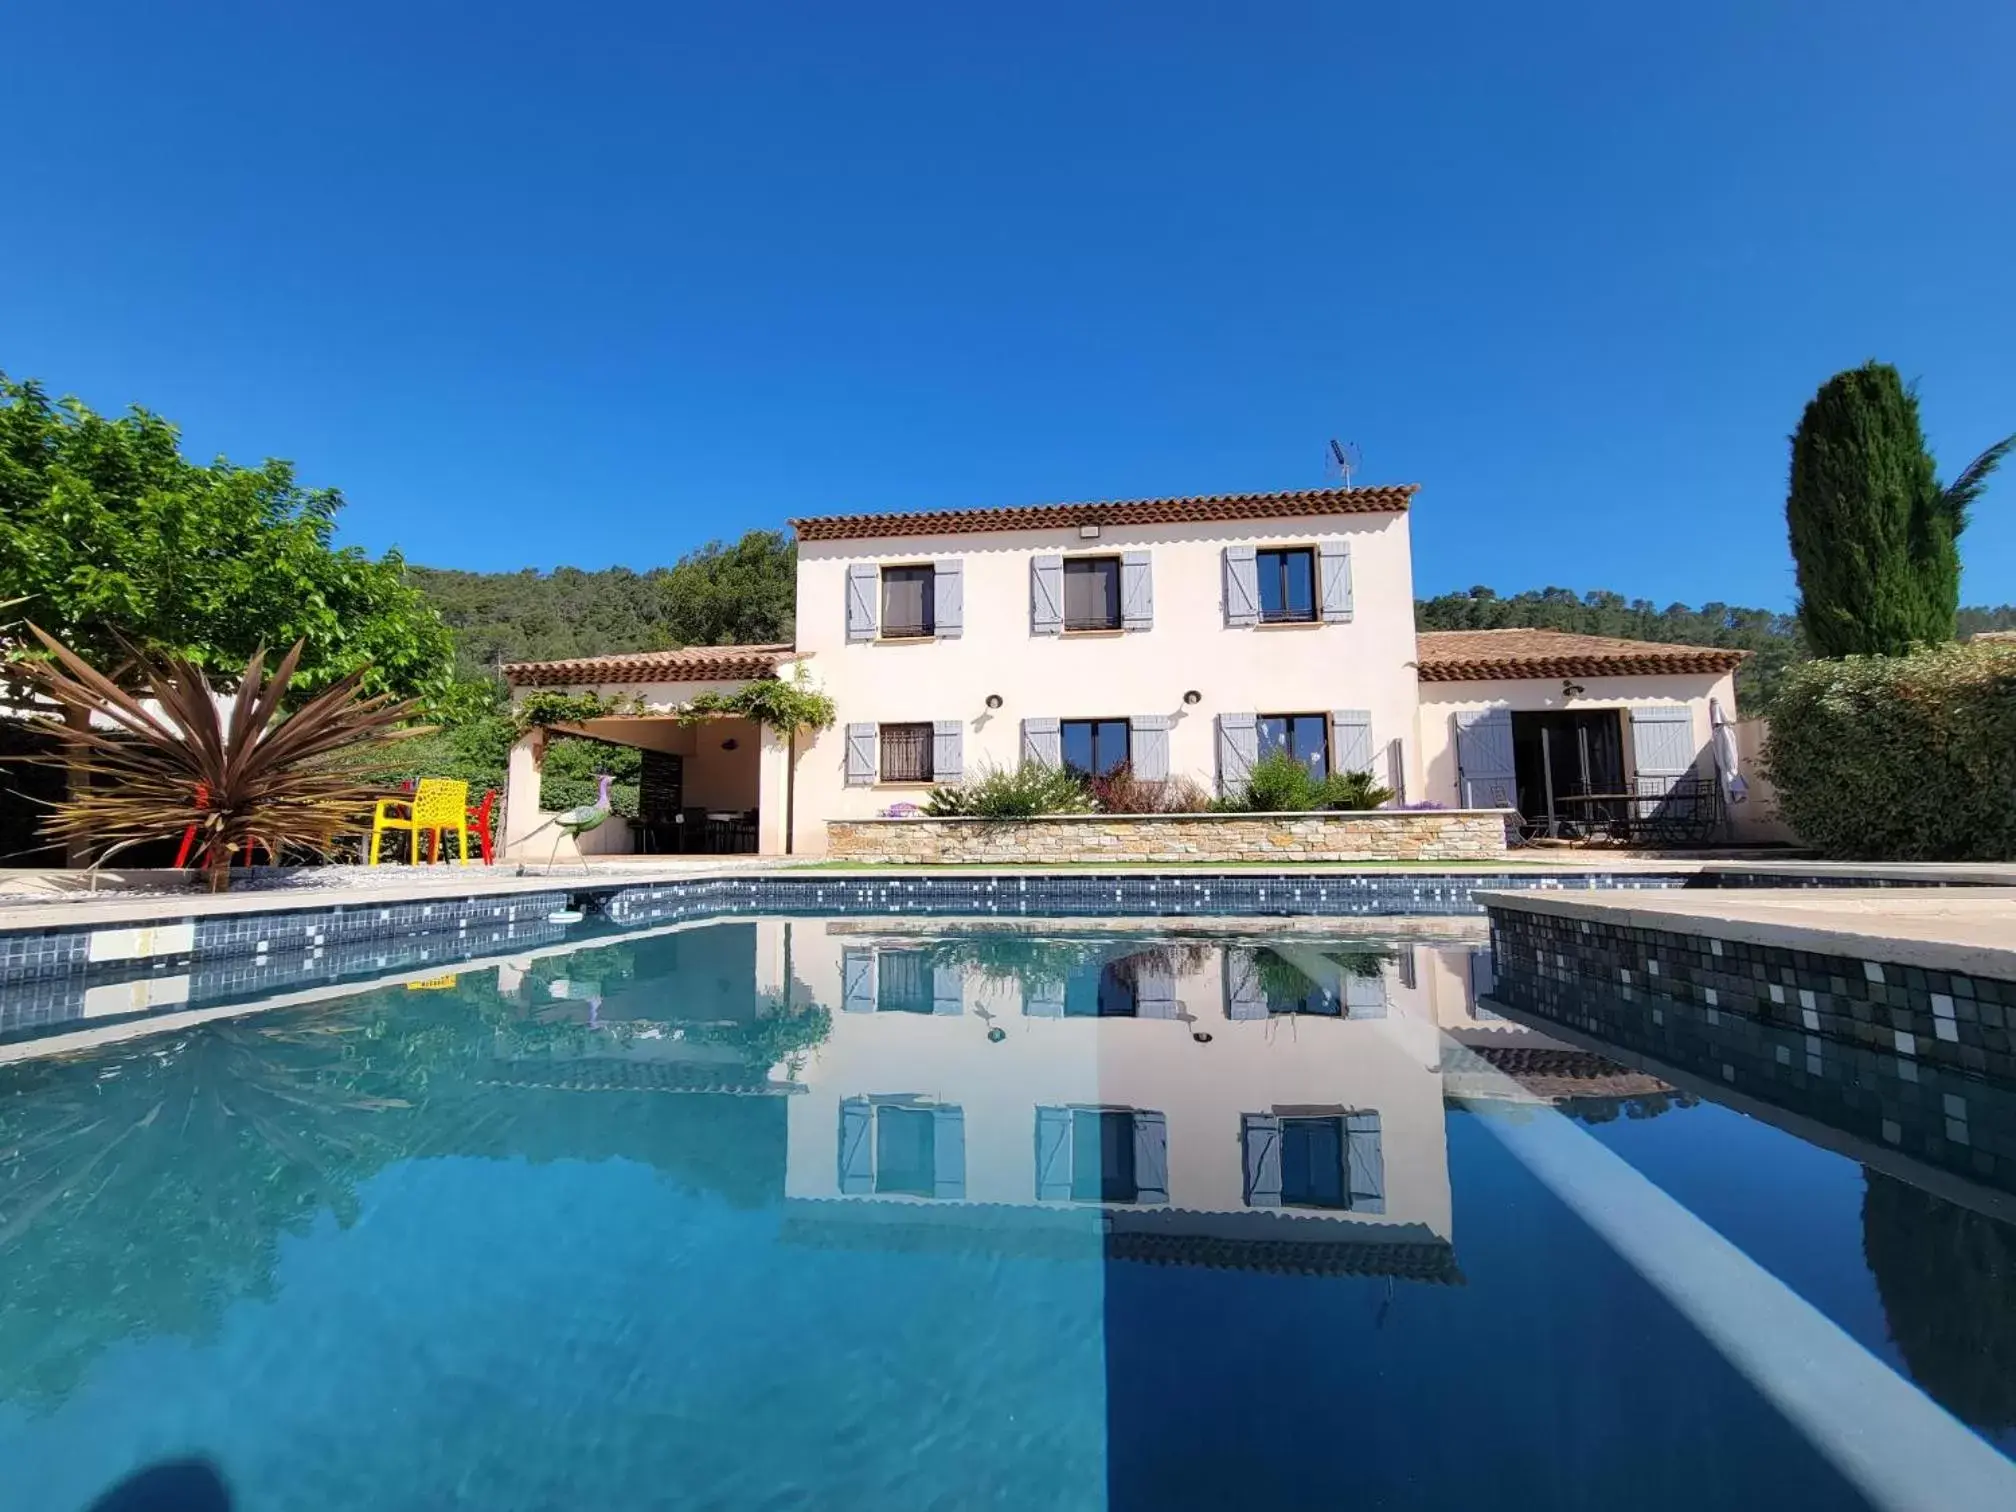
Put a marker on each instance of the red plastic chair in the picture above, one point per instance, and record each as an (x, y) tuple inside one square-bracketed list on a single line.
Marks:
[(251, 841), (479, 821)]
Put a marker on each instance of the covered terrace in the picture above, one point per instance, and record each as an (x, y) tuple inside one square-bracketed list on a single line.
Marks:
[(712, 787)]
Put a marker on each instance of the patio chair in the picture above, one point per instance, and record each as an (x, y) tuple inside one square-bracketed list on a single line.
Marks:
[(480, 821), (437, 804)]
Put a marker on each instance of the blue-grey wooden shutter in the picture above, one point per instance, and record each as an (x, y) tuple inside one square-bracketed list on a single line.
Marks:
[(1484, 771), (862, 743), (857, 979), (1137, 592), (1242, 587), (948, 1139), (1396, 768), (1042, 742), (1364, 1163), (948, 598), (857, 1146), (948, 746), (1333, 560), (1351, 747), (1154, 992), (1046, 595), (1238, 749), (1043, 997), (1662, 747), (1365, 996), (863, 580), (1245, 998), (1053, 1154), (947, 989), (1151, 1157), (1260, 1142), (1148, 746)]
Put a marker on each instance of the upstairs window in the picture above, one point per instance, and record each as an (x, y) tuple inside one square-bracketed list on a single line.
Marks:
[(906, 753), (909, 605), (1287, 582), (1092, 593), (1093, 747), (904, 982)]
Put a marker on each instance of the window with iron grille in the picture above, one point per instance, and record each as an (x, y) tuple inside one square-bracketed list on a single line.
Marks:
[(1287, 581), (906, 753), (1092, 593), (909, 607)]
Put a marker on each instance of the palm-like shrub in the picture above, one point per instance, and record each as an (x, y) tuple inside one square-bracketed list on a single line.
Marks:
[(247, 775), (1279, 784)]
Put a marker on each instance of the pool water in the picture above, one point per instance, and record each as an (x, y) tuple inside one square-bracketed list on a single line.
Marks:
[(881, 1213)]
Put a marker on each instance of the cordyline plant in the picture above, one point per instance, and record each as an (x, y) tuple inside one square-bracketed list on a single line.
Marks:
[(242, 777)]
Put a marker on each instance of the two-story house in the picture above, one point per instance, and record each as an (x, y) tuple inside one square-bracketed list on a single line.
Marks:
[(1183, 638)]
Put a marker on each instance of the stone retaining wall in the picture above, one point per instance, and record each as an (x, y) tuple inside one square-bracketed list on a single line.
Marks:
[(1376, 835)]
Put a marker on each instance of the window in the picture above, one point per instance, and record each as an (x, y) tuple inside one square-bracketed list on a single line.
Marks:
[(1303, 737), (908, 603), (1095, 747), (1102, 1157), (1099, 991), (1312, 1163), (1092, 593), (906, 753), (903, 982), (1287, 584), (906, 1151)]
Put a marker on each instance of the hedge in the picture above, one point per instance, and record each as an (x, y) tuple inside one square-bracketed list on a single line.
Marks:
[(1900, 758)]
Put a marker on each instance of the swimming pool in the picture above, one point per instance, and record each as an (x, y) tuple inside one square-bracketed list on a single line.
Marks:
[(914, 1212)]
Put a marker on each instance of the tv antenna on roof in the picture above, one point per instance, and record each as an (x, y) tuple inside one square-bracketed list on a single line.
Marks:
[(1347, 457)]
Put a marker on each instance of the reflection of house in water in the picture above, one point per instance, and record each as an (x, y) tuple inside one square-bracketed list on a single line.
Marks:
[(1143, 1096)]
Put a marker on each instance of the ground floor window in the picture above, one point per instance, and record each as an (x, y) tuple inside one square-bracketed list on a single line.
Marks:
[(1111, 1155), (1300, 737), (1095, 747), (906, 753)]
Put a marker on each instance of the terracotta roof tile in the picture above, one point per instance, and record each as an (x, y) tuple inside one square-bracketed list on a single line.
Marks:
[(1386, 499), (688, 664), (1465, 655)]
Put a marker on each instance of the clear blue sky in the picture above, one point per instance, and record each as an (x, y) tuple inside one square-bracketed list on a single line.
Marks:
[(541, 285)]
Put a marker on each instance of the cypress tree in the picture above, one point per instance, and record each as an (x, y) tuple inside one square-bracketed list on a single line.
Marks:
[(1875, 538)]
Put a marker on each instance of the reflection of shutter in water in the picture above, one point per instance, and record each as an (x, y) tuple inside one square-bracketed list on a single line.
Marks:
[(1245, 998), (1042, 997), (948, 990), (1151, 1157), (857, 1118), (1260, 1142), (857, 979), (1365, 1162), (1053, 1154), (949, 1153)]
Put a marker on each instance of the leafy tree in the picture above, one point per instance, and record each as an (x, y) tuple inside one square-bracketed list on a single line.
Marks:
[(107, 531), (715, 596), (1875, 536)]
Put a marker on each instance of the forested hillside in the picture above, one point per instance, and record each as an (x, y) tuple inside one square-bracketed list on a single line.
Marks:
[(742, 593)]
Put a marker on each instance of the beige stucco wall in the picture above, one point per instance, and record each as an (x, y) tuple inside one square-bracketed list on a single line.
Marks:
[(1365, 664), (1390, 1065), (1442, 701)]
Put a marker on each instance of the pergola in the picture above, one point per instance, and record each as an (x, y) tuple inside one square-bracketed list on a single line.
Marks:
[(729, 765)]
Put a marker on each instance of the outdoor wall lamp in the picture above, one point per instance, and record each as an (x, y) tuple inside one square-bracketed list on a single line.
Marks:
[(728, 744), (993, 700), (1193, 697), (1572, 690)]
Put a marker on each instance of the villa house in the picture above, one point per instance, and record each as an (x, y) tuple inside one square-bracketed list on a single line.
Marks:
[(1180, 637)]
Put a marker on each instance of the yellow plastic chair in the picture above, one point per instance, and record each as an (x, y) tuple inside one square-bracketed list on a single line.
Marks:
[(437, 805)]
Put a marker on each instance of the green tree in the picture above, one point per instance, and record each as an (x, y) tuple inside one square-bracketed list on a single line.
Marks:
[(1875, 536), (107, 531)]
